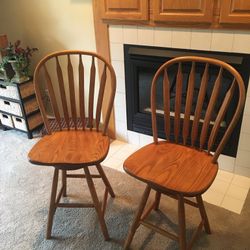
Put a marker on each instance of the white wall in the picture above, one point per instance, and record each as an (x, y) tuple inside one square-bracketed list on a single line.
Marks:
[(49, 24)]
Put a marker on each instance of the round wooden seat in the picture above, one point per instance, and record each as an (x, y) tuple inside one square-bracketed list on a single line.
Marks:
[(173, 167), (70, 149)]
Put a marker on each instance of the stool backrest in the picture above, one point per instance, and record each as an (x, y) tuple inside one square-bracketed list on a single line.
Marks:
[(186, 112), (65, 76)]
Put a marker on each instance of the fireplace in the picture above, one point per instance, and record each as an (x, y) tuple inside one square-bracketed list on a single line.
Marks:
[(141, 63)]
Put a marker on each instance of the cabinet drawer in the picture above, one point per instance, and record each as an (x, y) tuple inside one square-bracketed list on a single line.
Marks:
[(125, 9), (33, 122), (10, 107), (6, 120), (9, 91), (182, 11), (19, 123)]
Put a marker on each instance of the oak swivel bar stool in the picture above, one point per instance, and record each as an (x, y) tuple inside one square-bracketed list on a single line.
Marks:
[(183, 166), (80, 140)]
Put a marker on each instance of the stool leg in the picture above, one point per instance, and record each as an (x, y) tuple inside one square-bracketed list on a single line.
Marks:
[(157, 200), (52, 206), (137, 217), (96, 203), (203, 214), (105, 180), (182, 223), (64, 183)]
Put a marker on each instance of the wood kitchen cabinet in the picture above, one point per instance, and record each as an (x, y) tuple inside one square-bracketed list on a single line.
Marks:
[(183, 10), (235, 11), (214, 14), (125, 9)]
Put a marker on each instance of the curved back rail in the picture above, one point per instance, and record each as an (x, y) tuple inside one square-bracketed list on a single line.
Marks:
[(187, 118), (63, 75)]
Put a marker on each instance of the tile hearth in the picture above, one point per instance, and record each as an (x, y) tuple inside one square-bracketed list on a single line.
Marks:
[(228, 190)]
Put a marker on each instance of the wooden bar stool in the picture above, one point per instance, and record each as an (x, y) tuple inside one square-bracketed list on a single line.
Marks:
[(81, 141), (182, 166)]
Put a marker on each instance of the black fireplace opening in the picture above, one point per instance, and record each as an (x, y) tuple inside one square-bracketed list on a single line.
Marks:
[(141, 63)]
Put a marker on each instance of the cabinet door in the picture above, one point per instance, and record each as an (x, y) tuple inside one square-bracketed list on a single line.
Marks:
[(184, 11), (125, 9), (235, 11)]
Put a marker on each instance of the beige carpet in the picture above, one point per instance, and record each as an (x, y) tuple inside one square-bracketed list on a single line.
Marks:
[(24, 197)]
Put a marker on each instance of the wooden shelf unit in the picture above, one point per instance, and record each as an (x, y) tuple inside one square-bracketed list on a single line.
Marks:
[(18, 107)]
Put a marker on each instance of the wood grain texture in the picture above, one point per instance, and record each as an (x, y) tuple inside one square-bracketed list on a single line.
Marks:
[(189, 101), (176, 168), (102, 48), (62, 91), (203, 214), (235, 11), (136, 221), (178, 95), (210, 109), (181, 171), (73, 149), (107, 89), (125, 9), (210, 114), (70, 148), (96, 203), (52, 206), (100, 97), (81, 92), (91, 92), (203, 14), (166, 103), (52, 96), (221, 115), (199, 105), (182, 223), (72, 90), (183, 11)]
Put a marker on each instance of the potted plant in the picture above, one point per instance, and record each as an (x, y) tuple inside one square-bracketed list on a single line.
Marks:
[(19, 59), (6, 71)]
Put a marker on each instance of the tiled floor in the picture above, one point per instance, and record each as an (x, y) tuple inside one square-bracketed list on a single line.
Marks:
[(228, 190)]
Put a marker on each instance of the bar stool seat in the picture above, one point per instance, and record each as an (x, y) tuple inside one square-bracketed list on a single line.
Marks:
[(172, 167), (70, 149)]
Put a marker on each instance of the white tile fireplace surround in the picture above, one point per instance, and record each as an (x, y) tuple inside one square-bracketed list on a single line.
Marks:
[(214, 40)]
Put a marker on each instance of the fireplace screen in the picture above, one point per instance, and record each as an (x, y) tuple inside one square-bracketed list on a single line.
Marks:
[(141, 63)]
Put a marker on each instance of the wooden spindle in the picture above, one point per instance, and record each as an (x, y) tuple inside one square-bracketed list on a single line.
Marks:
[(153, 109), (62, 92), (210, 109), (81, 92), (91, 92), (112, 88), (189, 101), (178, 95), (236, 116), (199, 105), (221, 114), (166, 101), (52, 97), (41, 101), (100, 96), (72, 92)]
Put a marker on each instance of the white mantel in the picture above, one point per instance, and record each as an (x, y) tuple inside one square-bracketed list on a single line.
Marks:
[(214, 40)]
